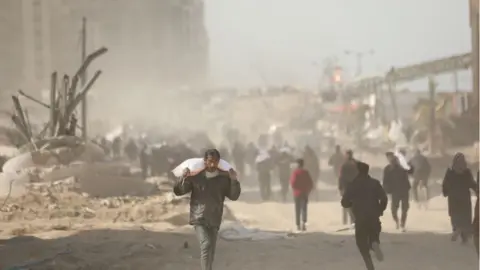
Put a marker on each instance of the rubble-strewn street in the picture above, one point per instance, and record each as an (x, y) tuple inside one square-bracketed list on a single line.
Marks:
[(239, 135)]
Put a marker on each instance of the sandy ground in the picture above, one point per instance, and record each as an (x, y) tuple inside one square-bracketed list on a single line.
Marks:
[(163, 242)]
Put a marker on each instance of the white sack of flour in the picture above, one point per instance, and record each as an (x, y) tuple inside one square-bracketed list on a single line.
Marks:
[(196, 165)]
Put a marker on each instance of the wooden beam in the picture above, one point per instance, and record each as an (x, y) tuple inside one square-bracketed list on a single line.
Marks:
[(23, 94), (81, 95), (21, 116), (433, 118)]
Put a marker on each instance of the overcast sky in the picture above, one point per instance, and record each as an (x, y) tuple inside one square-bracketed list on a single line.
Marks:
[(279, 39)]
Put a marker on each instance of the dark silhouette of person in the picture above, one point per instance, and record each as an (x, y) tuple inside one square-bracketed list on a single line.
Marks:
[(367, 200)]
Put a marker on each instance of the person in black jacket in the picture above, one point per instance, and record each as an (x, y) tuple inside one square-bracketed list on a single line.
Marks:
[(367, 200), (348, 172), (396, 183), (421, 174), (456, 186), (208, 188)]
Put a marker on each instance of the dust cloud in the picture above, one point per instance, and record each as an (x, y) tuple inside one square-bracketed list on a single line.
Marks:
[(255, 44), (259, 72)]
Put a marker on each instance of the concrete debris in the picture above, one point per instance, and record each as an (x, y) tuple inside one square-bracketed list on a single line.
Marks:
[(61, 199), (68, 180), (55, 152)]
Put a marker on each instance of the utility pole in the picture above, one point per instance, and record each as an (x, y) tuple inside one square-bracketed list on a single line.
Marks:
[(359, 58), (474, 26), (83, 79), (432, 128), (457, 92)]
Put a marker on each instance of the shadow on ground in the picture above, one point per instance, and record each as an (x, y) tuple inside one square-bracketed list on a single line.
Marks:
[(148, 250)]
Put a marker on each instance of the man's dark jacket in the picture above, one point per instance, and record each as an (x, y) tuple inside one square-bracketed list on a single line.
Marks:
[(208, 196), (366, 197), (421, 167), (395, 180)]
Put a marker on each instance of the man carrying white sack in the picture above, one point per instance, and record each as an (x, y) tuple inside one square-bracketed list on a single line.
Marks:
[(209, 187)]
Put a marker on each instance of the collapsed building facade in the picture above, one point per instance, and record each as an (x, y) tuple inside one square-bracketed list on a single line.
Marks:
[(164, 40)]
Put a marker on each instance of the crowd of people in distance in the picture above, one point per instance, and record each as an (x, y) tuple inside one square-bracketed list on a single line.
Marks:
[(363, 198)]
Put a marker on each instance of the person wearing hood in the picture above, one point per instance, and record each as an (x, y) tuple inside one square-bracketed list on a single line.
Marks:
[(367, 201), (397, 183), (208, 189), (457, 183)]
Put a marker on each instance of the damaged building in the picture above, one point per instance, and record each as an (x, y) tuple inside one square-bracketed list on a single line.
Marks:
[(164, 42)]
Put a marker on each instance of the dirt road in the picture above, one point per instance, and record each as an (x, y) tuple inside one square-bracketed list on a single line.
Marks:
[(161, 245)]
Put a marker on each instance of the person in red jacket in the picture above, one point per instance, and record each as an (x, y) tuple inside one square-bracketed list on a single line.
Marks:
[(302, 185)]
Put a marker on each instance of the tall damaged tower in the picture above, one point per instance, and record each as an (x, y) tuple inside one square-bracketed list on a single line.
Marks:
[(11, 45), (186, 45), (170, 37), (24, 44), (164, 42)]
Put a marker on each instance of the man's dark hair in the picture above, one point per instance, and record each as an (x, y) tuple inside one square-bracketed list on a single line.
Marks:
[(212, 153), (363, 167), (300, 162), (389, 154)]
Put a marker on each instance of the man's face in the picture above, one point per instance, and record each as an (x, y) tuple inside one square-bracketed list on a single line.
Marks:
[(211, 163)]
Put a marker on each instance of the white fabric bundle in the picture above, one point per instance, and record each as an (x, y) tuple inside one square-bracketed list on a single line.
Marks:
[(286, 150), (402, 160), (262, 156), (197, 164)]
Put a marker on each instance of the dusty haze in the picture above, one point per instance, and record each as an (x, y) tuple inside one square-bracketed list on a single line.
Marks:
[(253, 43), (282, 37)]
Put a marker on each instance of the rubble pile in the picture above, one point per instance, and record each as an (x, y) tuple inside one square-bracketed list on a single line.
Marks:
[(63, 200), (68, 156), (66, 181)]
